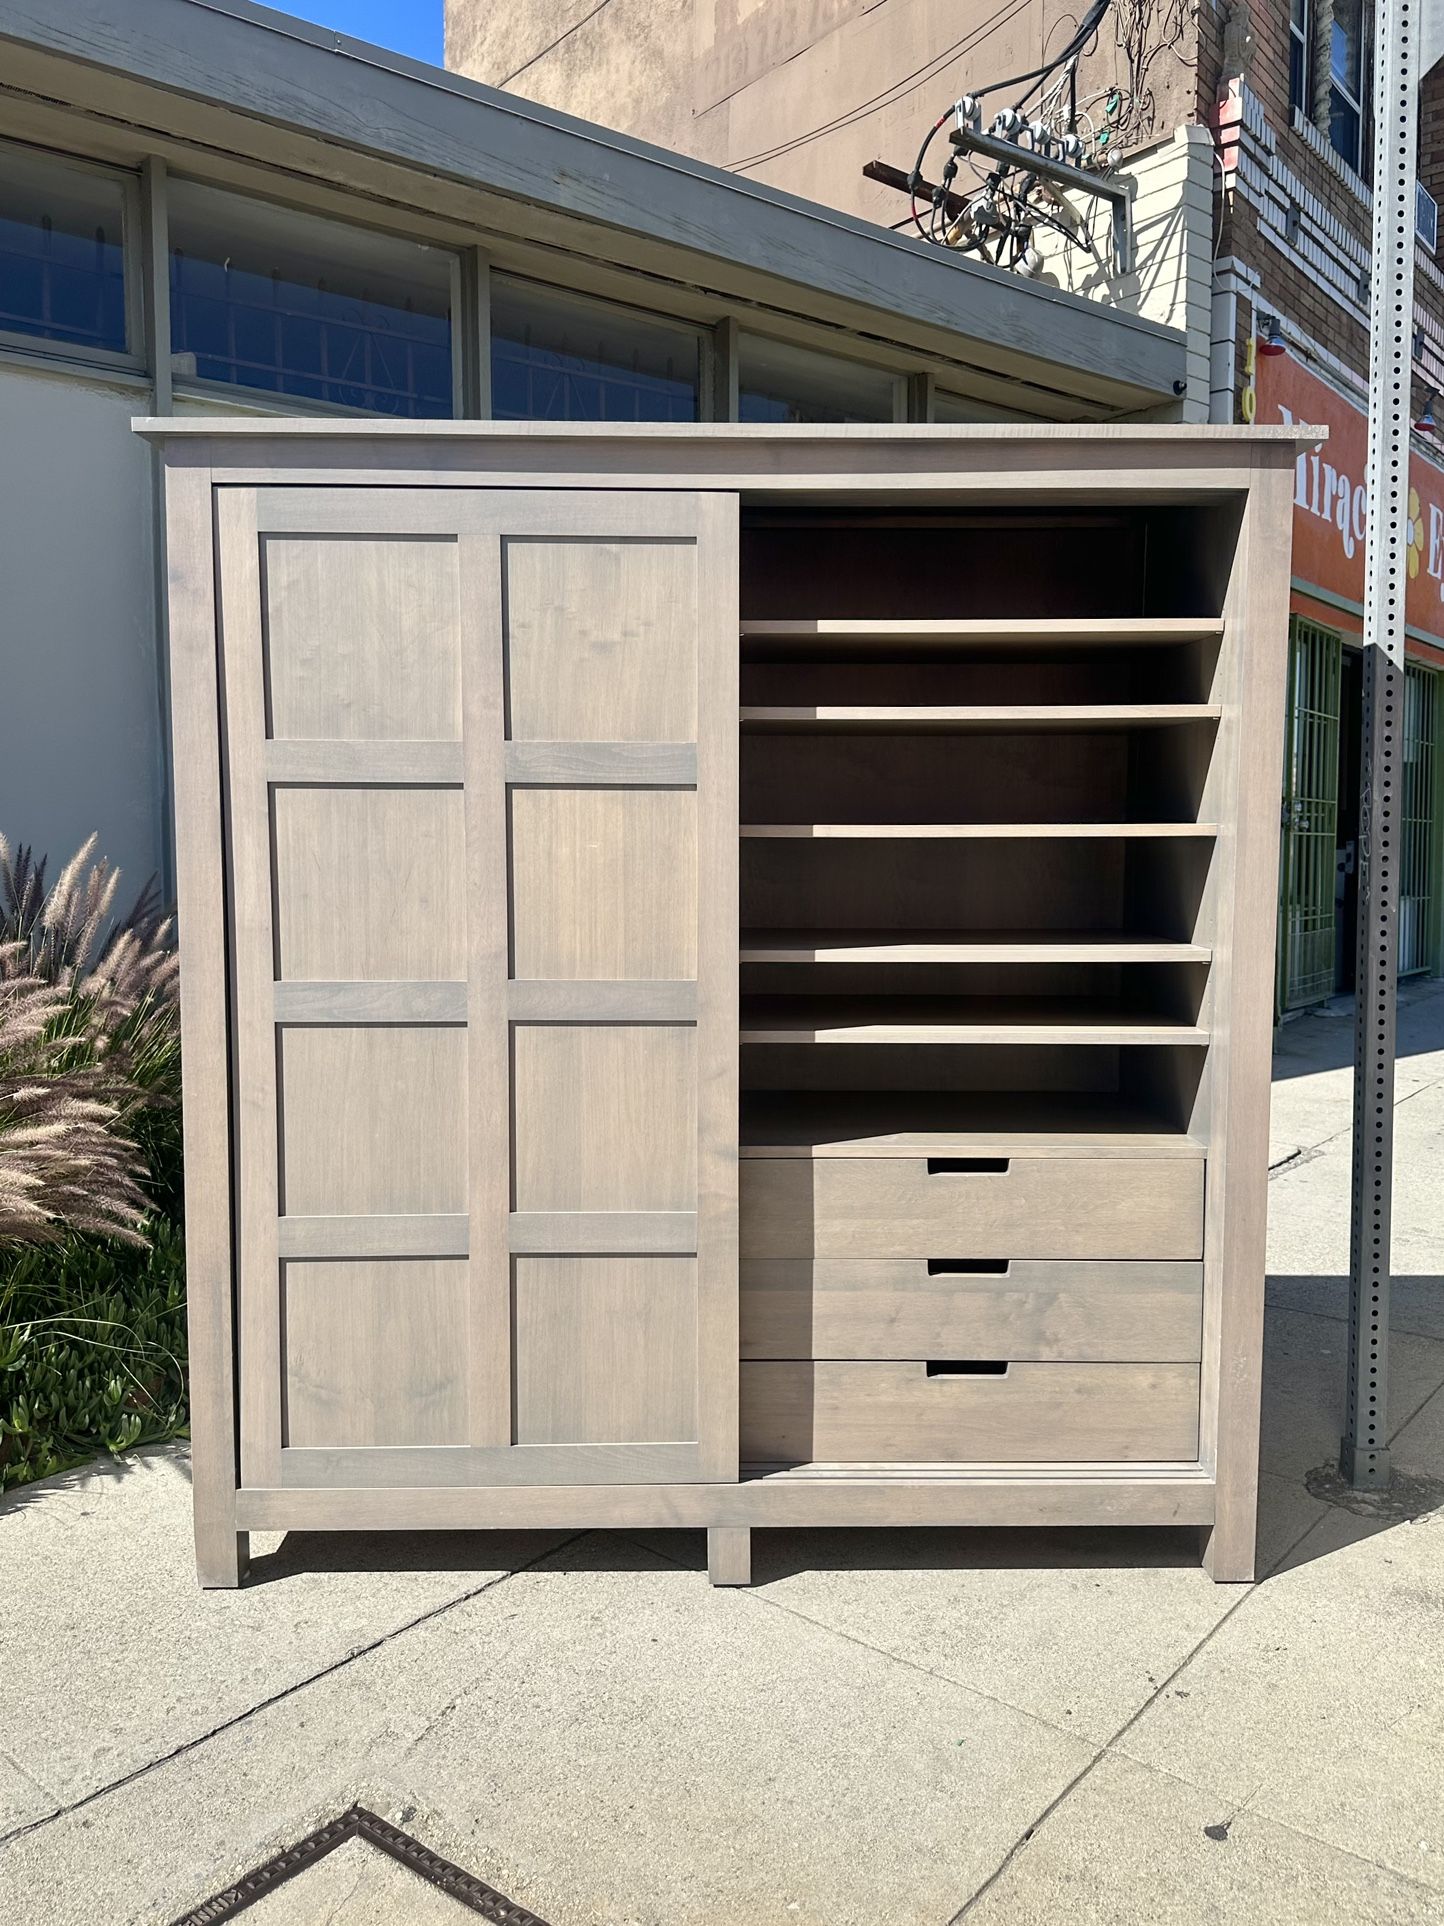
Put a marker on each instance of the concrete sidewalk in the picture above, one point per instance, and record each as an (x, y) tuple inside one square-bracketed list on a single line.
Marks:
[(910, 1727)]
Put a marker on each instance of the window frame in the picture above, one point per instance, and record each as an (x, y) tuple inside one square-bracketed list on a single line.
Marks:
[(280, 400), (28, 158)]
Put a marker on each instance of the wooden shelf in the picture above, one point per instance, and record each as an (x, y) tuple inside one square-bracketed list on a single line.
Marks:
[(778, 639), (867, 1123), (985, 832), (999, 718), (956, 1020), (963, 946)]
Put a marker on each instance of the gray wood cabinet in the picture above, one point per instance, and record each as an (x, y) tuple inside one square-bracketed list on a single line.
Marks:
[(726, 973)]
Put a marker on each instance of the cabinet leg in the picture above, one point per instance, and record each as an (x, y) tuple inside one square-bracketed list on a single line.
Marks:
[(729, 1554), (1228, 1554), (222, 1555)]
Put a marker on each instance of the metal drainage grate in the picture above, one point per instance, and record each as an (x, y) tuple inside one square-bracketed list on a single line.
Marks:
[(356, 1823)]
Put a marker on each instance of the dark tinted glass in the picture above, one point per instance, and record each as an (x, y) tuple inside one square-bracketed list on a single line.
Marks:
[(556, 357), (62, 256), (1297, 70), (1344, 126)]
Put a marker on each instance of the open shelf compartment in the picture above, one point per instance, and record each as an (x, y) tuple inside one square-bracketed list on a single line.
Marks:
[(980, 791), (811, 1099), (1153, 888)]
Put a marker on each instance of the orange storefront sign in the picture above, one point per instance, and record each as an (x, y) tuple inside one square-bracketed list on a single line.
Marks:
[(1331, 507)]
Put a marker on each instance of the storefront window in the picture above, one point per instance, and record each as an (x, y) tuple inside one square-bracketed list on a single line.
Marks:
[(287, 303), (62, 254), (777, 382), (556, 357)]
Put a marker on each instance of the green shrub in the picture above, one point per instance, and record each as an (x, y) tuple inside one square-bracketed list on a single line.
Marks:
[(92, 1349)]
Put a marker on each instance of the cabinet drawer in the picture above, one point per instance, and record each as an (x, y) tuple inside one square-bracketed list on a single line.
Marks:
[(1014, 1207), (912, 1413), (908, 1307)]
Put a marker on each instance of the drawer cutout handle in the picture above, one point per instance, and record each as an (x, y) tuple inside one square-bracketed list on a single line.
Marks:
[(976, 1166), (969, 1266), (966, 1367)]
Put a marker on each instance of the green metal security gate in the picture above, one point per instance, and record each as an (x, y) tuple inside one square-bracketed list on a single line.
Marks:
[(1418, 859), (1310, 816)]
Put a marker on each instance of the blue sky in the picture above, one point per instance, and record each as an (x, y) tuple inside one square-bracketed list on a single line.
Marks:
[(407, 26)]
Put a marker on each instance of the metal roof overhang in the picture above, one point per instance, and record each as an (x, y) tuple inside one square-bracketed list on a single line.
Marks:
[(234, 79)]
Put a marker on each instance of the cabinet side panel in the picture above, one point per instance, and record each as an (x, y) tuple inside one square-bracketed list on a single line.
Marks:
[(1237, 1206), (195, 731), (251, 904)]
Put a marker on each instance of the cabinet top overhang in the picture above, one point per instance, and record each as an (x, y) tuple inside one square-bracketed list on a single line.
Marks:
[(161, 428), (867, 462)]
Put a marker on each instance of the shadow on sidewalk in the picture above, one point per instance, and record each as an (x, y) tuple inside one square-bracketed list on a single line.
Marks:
[(1323, 1039)]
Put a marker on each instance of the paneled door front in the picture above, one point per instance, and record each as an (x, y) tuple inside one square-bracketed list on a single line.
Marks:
[(480, 783)]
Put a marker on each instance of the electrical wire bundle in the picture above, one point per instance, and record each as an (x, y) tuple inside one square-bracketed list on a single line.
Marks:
[(1146, 31), (1003, 214)]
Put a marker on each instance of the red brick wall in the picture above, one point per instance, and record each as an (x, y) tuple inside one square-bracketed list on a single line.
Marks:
[(1286, 287)]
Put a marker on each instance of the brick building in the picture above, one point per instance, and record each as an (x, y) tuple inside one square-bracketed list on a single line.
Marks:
[(1246, 128), (1288, 93)]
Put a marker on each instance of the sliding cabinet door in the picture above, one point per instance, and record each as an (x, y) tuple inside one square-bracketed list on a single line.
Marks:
[(481, 793)]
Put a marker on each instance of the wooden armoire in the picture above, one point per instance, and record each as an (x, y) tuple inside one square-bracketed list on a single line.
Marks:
[(726, 973)]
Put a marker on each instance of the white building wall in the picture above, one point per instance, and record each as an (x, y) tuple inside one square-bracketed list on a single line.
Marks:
[(80, 739), (1173, 223)]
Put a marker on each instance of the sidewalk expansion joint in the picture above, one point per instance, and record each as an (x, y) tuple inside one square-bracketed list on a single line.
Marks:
[(1127, 1726), (752, 1595), (1308, 1153), (1342, 1317), (1305, 1154), (188, 1746), (1425, 1401)]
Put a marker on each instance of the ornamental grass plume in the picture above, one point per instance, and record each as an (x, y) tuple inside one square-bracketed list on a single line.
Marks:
[(89, 1052)]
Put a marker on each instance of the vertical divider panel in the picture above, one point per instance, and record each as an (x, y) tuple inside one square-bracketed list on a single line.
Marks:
[(252, 986), (489, 1393), (718, 1016)]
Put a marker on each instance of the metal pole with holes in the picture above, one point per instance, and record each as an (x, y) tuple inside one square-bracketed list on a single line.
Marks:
[(1407, 43)]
